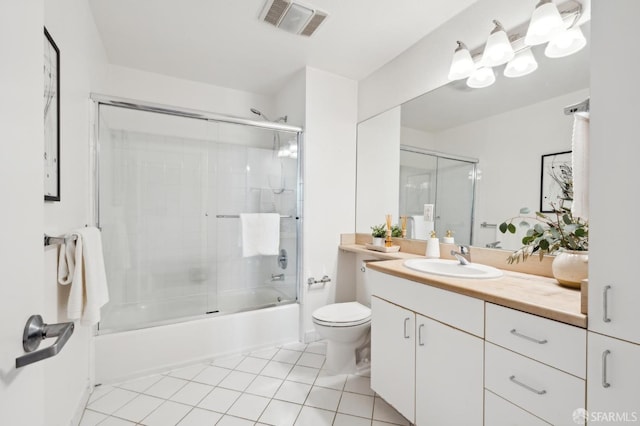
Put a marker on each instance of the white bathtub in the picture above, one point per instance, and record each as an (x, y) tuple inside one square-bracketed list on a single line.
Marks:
[(124, 355)]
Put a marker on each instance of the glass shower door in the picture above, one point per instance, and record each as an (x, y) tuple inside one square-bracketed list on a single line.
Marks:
[(455, 198)]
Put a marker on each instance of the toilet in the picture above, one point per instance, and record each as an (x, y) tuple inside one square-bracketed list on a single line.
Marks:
[(345, 327)]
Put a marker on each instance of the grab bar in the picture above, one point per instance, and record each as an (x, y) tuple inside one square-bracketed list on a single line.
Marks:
[(36, 331), (49, 240), (237, 216), (488, 225)]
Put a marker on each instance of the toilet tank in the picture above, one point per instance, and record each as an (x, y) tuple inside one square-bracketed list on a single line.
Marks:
[(363, 286)]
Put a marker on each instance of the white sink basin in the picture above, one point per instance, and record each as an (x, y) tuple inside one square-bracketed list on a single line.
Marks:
[(453, 268)]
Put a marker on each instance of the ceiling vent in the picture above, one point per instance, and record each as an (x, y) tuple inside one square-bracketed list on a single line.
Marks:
[(292, 17)]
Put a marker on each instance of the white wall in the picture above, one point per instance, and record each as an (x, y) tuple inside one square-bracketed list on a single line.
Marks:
[(329, 181), (417, 138)]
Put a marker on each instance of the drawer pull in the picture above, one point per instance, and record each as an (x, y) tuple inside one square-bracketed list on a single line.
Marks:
[(406, 334), (605, 304), (531, 339), (420, 342), (527, 387), (605, 354)]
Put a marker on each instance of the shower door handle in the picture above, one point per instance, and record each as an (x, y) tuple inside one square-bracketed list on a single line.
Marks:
[(36, 331)]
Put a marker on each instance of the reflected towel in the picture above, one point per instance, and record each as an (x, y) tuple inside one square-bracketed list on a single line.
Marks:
[(81, 264), (260, 234), (580, 161)]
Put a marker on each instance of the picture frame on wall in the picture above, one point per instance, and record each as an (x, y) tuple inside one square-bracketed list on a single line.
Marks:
[(556, 182), (51, 66)]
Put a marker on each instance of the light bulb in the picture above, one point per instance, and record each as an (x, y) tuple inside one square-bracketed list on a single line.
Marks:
[(545, 23), (482, 77), (498, 49), (565, 43), (462, 64), (522, 64)]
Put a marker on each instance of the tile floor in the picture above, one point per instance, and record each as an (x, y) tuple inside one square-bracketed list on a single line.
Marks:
[(280, 386)]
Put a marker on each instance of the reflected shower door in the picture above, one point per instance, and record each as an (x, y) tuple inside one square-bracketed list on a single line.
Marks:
[(455, 198)]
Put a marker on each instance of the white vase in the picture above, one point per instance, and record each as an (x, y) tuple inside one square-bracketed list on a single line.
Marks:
[(378, 241), (570, 267)]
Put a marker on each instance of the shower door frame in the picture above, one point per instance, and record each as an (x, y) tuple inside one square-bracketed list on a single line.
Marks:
[(94, 184)]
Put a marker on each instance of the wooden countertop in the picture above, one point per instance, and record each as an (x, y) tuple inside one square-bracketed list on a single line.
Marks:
[(528, 293), (359, 248)]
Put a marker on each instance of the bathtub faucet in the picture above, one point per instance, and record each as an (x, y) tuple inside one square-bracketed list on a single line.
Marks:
[(277, 277)]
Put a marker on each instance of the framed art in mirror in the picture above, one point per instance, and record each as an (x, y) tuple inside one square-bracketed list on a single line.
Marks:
[(556, 182), (51, 66)]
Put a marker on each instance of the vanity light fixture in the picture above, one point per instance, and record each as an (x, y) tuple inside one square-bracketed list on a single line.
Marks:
[(522, 64), (481, 77), (462, 65), (545, 23), (498, 49), (565, 43)]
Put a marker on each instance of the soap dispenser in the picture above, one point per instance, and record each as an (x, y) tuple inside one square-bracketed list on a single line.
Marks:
[(448, 238), (433, 246)]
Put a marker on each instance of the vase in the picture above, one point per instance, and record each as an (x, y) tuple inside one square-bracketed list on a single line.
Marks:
[(378, 241), (570, 267)]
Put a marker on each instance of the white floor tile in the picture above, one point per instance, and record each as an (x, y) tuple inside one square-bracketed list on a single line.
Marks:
[(249, 407), (228, 362), (323, 398), (286, 355), (310, 416), (280, 413), (295, 346), (234, 421), (140, 385), (359, 384), (252, 365), (192, 393), (91, 418), (166, 387), (114, 421), (237, 380), (329, 380), (264, 386), (100, 391), (264, 353), (279, 370), (189, 372), (356, 405), (138, 408), (311, 360), (212, 375), (293, 392), (347, 420), (319, 348), (219, 400), (112, 401), (386, 413), (199, 417), (168, 414), (303, 374)]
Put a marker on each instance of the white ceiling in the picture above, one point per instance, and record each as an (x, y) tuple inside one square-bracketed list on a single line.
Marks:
[(222, 42)]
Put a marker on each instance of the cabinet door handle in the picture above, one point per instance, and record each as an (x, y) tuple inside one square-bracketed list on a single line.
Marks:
[(531, 339), (605, 304), (420, 342), (406, 321), (527, 387), (605, 354)]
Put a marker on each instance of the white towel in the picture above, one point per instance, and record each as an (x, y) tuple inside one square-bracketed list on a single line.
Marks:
[(580, 162), (260, 234), (81, 264)]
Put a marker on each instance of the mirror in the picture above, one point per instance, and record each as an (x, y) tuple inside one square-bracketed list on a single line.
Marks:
[(507, 127)]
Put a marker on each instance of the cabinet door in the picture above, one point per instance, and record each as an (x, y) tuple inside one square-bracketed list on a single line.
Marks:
[(449, 375), (613, 307), (393, 355), (613, 381)]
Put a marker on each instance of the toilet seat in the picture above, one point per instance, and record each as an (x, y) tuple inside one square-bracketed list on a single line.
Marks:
[(347, 314)]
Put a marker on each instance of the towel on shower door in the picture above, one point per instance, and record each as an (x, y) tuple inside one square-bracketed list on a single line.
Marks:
[(81, 264), (260, 234)]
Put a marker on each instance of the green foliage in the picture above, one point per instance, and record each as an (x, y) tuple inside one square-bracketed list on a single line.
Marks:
[(550, 234), (379, 231), (396, 231)]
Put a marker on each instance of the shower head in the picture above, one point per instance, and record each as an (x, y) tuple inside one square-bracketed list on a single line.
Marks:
[(259, 113)]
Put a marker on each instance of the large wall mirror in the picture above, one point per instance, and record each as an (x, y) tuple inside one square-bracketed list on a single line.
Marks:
[(507, 128)]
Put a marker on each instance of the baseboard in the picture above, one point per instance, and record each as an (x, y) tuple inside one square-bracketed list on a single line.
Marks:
[(77, 415)]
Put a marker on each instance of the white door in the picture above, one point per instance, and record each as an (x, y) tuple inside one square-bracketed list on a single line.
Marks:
[(449, 375), (613, 381), (21, 205), (393, 355)]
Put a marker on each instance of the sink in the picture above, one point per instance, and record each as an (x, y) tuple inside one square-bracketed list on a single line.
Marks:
[(453, 268)]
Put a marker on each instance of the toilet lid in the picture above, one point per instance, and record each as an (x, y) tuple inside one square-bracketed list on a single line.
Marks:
[(348, 312)]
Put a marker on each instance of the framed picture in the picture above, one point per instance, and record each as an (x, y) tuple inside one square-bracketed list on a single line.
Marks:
[(51, 119), (556, 182)]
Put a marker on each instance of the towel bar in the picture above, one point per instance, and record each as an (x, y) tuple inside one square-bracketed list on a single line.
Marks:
[(237, 216), (49, 240)]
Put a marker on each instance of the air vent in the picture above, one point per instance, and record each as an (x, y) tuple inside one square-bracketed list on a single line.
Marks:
[(292, 17)]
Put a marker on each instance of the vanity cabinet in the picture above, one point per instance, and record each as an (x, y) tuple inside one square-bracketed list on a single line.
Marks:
[(614, 381)]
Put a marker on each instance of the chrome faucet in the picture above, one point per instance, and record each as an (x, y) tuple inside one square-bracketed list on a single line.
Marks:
[(463, 256), (277, 277)]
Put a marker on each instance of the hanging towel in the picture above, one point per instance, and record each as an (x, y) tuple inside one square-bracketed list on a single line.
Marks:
[(81, 265), (580, 162), (260, 234)]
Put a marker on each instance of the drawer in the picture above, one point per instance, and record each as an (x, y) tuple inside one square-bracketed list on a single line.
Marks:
[(546, 392), (551, 342), (500, 412)]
